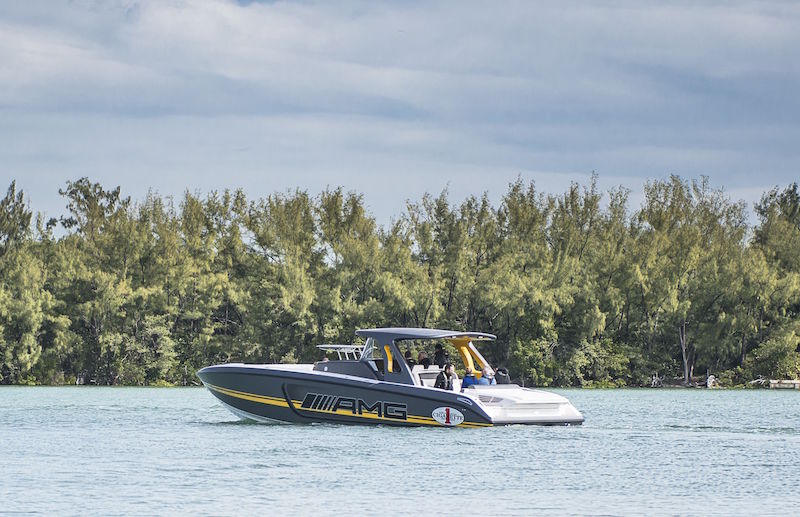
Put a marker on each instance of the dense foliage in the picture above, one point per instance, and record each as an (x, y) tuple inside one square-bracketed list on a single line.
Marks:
[(579, 288)]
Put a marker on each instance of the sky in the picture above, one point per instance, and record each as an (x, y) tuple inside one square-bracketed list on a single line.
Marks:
[(395, 99)]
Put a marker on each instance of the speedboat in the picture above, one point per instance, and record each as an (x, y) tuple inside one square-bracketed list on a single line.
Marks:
[(373, 384)]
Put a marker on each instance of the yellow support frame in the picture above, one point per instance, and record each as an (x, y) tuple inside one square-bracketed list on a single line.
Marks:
[(389, 362), (469, 358)]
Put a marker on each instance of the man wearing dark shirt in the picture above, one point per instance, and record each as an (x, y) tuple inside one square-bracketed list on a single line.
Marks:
[(444, 381), (440, 356)]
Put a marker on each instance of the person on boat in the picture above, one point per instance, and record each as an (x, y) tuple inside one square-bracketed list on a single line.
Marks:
[(423, 359), (446, 378), (440, 356), (487, 376), (410, 360), (469, 379), (501, 376)]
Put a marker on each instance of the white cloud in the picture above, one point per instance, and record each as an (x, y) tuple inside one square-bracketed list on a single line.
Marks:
[(395, 98)]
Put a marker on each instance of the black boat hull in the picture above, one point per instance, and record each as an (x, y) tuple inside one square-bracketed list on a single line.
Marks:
[(274, 394)]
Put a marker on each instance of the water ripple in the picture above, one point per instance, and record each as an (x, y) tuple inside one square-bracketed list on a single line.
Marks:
[(107, 451)]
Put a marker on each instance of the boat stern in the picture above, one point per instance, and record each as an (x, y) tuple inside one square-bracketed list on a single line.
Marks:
[(510, 404)]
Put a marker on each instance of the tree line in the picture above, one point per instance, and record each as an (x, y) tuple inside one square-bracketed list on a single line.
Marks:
[(580, 288)]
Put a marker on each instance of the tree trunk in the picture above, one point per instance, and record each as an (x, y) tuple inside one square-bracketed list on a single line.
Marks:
[(744, 350), (687, 371)]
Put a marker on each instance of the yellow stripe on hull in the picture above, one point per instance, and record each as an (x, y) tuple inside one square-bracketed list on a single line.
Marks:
[(414, 419), (263, 399)]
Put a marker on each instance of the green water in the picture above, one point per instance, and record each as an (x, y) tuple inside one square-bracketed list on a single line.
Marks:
[(146, 451)]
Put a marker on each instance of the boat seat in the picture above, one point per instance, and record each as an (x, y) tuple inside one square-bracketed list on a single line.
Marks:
[(426, 377), (420, 368)]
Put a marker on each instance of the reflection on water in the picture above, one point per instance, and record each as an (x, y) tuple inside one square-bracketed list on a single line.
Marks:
[(122, 451)]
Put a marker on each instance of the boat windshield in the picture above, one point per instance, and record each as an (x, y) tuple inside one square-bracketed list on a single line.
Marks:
[(371, 351), (375, 355)]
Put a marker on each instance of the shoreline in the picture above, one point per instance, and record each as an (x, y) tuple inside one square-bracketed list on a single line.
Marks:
[(765, 387)]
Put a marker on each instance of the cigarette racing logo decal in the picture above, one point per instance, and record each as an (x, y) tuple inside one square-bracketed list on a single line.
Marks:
[(447, 416)]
